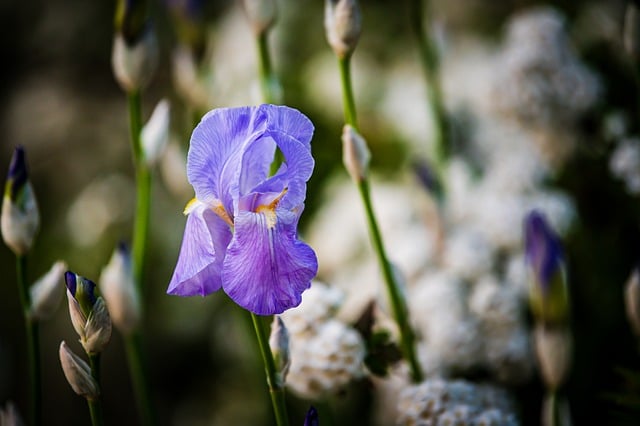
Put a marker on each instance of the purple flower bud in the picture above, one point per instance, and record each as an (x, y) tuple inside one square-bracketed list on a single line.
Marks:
[(312, 417), (17, 175), (82, 289), (543, 251)]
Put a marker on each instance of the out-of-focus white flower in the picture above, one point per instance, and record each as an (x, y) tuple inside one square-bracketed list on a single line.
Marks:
[(467, 253), (319, 303), (437, 401), (624, 163), (155, 133), (324, 362), (46, 293)]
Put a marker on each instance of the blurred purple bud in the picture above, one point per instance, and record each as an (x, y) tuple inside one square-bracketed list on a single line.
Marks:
[(312, 417), (543, 251)]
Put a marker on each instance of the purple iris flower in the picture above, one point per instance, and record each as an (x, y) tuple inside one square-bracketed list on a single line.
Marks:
[(241, 232), (543, 250)]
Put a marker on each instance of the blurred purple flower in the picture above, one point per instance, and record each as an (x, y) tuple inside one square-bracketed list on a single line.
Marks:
[(312, 417), (241, 232), (543, 250)]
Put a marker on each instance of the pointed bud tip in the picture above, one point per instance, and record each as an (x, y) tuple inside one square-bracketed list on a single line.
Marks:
[(355, 153), (312, 417)]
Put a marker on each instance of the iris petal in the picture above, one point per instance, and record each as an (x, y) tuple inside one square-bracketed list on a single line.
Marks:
[(266, 267), (198, 271)]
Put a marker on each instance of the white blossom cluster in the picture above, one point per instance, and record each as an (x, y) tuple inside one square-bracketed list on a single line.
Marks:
[(624, 163), (326, 354), (457, 402), (539, 77)]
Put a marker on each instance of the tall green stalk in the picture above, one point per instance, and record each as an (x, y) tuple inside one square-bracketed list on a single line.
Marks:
[(265, 70), (276, 387), (398, 305), (33, 342), (95, 404), (135, 356), (431, 69)]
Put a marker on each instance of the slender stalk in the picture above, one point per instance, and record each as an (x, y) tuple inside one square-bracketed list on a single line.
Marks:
[(276, 388), (552, 415), (143, 186), (265, 68), (348, 101), (398, 305), (431, 68), (399, 308), (33, 342), (95, 404), (138, 372), (133, 342)]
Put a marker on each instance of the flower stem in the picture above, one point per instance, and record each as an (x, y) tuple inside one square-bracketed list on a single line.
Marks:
[(33, 342), (137, 370), (95, 404), (143, 186), (399, 308), (347, 92), (276, 388), (139, 248), (265, 68), (398, 304), (431, 68)]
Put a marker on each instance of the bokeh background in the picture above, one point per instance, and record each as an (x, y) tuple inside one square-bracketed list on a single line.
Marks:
[(59, 100)]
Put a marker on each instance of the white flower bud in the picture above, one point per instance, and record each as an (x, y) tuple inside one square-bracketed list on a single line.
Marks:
[(342, 23), (118, 289), (155, 134), (279, 344), (261, 14), (78, 373), (20, 218), (97, 329), (9, 415), (553, 350), (46, 293), (355, 153), (133, 66), (632, 301)]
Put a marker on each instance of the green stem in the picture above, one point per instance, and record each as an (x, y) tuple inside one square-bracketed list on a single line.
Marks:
[(276, 388), (137, 370), (431, 68), (143, 186), (265, 68), (348, 102), (398, 305), (95, 404), (33, 342), (139, 248), (553, 409)]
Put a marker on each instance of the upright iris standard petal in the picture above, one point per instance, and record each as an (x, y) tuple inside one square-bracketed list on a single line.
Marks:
[(266, 268), (241, 233)]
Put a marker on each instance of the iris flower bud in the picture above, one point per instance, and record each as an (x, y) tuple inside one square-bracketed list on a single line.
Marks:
[(89, 314), (632, 301), (279, 344), (312, 417), (355, 153), (553, 351), (20, 218), (548, 292), (117, 284), (46, 293), (78, 373), (135, 48), (155, 133), (342, 23), (261, 14)]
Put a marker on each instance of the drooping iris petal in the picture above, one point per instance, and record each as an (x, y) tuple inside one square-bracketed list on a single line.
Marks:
[(198, 271), (266, 267)]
